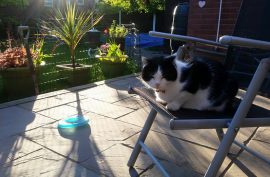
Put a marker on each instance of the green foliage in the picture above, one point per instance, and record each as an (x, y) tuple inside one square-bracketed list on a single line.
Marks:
[(70, 26), (132, 66), (113, 6), (19, 3), (146, 6), (48, 75), (151, 5), (14, 57), (37, 50), (111, 52), (117, 31)]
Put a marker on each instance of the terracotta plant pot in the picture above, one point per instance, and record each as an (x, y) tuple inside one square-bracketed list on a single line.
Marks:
[(78, 76)]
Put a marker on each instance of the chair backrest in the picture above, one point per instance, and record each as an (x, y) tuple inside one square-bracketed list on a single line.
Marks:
[(253, 22)]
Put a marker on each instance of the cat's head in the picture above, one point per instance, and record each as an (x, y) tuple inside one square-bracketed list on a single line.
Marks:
[(159, 72)]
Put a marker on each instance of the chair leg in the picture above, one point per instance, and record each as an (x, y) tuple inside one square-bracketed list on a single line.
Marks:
[(239, 116), (220, 133), (147, 125)]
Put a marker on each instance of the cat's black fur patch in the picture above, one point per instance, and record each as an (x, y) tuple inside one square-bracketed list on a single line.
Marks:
[(199, 74), (166, 65), (203, 73)]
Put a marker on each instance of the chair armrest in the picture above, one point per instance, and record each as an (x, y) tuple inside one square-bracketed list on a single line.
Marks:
[(186, 39), (244, 42)]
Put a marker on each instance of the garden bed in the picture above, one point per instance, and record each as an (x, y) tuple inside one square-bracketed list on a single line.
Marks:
[(51, 79)]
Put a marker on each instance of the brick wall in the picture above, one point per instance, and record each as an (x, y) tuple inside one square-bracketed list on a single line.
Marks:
[(202, 22)]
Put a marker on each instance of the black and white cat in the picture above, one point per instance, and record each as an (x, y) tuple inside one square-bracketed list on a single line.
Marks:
[(200, 84)]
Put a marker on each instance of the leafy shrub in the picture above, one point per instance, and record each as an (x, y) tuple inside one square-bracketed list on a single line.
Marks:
[(117, 31), (111, 52), (37, 50), (14, 57)]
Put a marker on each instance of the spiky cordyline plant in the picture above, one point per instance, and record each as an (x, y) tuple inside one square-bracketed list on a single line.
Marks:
[(70, 26)]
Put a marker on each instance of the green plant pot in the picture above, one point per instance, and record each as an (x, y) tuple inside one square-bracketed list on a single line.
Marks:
[(111, 70), (78, 76), (17, 83)]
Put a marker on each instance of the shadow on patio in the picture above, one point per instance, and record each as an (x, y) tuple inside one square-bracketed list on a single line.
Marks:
[(32, 144)]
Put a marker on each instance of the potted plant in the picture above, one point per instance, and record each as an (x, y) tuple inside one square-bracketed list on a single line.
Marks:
[(118, 33), (112, 60), (16, 76), (69, 26)]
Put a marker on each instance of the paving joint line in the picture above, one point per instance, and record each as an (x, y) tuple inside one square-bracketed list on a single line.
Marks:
[(182, 139)]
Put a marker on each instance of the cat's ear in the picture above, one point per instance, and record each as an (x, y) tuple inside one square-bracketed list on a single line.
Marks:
[(185, 52), (145, 61), (180, 53)]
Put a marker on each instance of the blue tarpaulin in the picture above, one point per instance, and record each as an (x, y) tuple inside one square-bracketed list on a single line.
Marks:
[(144, 40)]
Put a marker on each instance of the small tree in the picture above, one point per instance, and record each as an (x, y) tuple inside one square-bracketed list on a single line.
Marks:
[(141, 6), (70, 26), (147, 6)]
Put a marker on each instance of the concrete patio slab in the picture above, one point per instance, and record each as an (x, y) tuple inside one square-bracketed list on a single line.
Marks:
[(101, 108), (262, 135), (61, 112), (113, 162), (261, 101), (50, 102), (133, 102), (112, 91), (253, 165), (105, 93), (33, 98), (15, 120), (124, 84), (44, 163), (32, 145), (85, 142), (192, 158), (15, 147), (204, 137), (172, 169)]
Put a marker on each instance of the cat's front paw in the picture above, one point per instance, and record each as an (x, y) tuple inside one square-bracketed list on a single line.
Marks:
[(173, 106)]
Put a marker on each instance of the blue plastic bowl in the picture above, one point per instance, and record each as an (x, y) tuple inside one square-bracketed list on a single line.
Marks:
[(73, 122)]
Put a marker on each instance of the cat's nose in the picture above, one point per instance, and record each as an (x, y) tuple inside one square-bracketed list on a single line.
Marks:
[(157, 85)]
